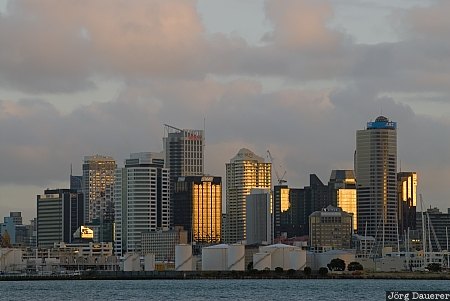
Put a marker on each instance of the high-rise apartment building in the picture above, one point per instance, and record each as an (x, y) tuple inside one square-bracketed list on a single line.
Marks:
[(342, 186), (258, 217), (197, 204), (244, 172), (376, 178), (98, 177), (60, 212), (141, 197), (407, 201)]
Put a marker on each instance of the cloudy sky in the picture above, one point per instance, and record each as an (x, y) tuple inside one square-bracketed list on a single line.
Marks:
[(298, 77)]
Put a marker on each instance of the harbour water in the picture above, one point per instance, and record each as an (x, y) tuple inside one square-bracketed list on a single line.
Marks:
[(327, 289)]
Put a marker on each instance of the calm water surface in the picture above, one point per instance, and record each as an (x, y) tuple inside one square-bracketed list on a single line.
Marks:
[(212, 289)]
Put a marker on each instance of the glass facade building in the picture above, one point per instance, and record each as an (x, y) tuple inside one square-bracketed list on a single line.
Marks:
[(342, 186), (282, 211), (407, 201), (376, 176), (98, 176), (197, 204), (184, 151)]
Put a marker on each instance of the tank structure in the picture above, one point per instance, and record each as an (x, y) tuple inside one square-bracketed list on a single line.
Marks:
[(224, 257), (279, 256), (132, 262), (183, 258), (149, 262)]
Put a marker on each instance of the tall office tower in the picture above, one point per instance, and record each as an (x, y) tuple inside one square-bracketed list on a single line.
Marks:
[(282, 212), (307, 200), (407, 201), (244, 172), (297, 219), (342, 186), (184, 154), (319, 194), (141, 198), (98, 176), (376, 181), (60, 212), (197, 204), (258, 217)]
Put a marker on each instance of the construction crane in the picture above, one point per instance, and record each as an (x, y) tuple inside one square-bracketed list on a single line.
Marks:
[(281, 179)]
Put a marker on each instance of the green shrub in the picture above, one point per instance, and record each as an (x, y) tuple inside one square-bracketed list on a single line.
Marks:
[(323, 271), (307, 271)]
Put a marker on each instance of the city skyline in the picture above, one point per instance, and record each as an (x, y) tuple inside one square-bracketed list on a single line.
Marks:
[(296, 77)]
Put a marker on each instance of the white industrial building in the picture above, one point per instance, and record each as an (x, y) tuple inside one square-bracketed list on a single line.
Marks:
[(224, 257), (279, 255)]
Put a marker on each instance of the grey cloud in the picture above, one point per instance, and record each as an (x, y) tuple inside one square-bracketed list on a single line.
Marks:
[(44, 52), (307, 131)]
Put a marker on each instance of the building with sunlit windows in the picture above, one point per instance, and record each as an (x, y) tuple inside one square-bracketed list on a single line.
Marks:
[(407, 201), (197, 205), (184, 151), (342, 186), (98, 176), (244, 172), (282, 213)]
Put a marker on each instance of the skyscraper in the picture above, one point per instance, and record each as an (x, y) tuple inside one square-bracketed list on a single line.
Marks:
[(141, 197), (184, 150), (376, 178), (407, 201), (98, 176), (281, 211), (244, 172), (342, 186), (197, 203), (60, 213), (184, 155)]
